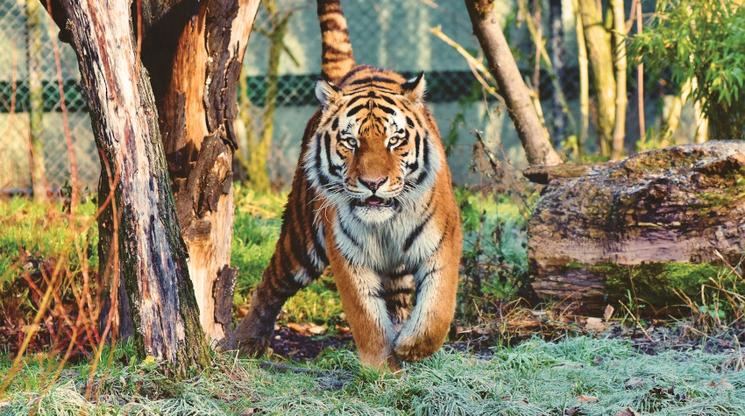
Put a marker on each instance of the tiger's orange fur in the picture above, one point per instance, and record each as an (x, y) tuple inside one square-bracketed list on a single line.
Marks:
[(372, 199)]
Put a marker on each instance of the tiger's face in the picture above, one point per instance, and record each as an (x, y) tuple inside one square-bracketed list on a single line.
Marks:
[(370, 154)]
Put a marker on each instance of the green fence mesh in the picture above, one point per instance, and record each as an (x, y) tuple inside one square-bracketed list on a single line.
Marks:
[(387, 33)]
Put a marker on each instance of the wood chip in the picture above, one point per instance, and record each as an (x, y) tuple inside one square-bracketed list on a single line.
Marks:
[(595, 324)]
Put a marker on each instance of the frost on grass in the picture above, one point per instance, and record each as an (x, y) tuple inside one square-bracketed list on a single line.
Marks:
[(576, 376)]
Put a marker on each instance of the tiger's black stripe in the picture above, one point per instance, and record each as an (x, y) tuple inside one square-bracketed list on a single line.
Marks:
[(417, 231), (323, 180), (386, 109), (425, 158), (348, 234), (318, 247), (334, 170), (398, 291), (298, 250), (425, 276), (354, 110)]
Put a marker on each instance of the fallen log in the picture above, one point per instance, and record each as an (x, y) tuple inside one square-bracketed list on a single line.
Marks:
[(601, 232)]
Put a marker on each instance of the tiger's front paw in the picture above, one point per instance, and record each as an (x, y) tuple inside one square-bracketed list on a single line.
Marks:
[(404, 348), (413, 348)]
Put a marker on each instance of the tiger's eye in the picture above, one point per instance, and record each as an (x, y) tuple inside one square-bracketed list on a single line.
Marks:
[(350, 142)]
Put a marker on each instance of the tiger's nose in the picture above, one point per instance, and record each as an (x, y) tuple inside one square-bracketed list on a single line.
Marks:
[(373, 184)]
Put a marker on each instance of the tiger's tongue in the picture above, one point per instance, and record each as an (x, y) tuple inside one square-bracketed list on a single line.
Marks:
[(374, 201)]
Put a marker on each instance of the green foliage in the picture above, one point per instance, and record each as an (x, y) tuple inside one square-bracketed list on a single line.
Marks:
[(702, 41), (576, 376), (258, 218), (258, 221), (494, 244), (660, 289)]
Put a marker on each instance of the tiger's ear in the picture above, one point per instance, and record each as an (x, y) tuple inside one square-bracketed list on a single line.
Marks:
[(413, 89), (326, 92)]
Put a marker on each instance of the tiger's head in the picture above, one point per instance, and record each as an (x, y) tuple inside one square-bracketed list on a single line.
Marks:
[(373, 152)]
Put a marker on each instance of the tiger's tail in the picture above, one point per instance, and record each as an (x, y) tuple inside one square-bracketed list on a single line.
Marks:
[(336, 56)]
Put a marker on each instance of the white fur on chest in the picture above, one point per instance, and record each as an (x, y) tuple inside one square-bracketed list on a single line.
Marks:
[(406, 240)]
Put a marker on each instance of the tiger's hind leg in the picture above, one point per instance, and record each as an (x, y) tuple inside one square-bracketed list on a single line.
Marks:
[(254, 333), (298, 259)]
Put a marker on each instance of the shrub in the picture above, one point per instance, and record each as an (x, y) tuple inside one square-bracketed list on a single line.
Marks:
[(701, 41)]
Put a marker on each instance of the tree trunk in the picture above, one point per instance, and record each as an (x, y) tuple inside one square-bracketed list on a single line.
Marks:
[(195, 54), (598, 231), (619, 43), (597, 40), (194, 51), (533, 134), (584, 78), (556, 49), (148, 252)]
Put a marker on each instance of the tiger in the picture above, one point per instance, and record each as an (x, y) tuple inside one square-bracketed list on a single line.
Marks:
[(371, 198)]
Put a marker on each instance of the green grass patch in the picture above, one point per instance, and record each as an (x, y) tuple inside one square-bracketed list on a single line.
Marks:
[(44, 231), (257, 224), (576, 376)]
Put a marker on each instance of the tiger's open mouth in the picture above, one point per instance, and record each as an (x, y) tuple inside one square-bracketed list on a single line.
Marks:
[(375, 202)]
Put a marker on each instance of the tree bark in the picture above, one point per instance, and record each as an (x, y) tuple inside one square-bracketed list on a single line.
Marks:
[(557, 44), (597, 40), (594, 226), (584, 78), (195, 52), (149, 254), (533, 134)]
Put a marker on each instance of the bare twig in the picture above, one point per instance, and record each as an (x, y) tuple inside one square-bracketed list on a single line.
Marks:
[(480, 72)]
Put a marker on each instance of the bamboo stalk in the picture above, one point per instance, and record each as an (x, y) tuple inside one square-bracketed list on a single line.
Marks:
[(600, 55), (640, 76), (536, 18), (619, 40), (36, 102)]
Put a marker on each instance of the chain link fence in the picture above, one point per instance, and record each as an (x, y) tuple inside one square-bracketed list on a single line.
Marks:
[(32, 65), (280, 70)]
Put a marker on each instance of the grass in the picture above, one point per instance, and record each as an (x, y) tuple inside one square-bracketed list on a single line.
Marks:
[(576, 376), (43, 230)]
